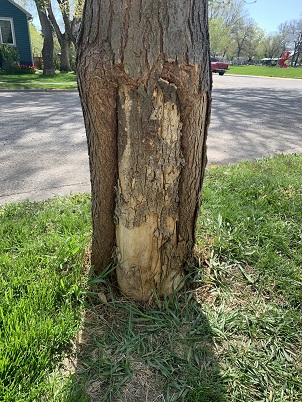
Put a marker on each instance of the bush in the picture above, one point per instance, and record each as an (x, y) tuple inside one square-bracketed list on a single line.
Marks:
[(9, 58)]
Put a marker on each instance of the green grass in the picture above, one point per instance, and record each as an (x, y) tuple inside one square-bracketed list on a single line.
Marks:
[(41, 257), (59, 81), (266, 71), (232, 334), (256, 218), (63, 81)]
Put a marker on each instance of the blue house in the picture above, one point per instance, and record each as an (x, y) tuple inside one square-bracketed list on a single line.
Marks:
[(14, 29)]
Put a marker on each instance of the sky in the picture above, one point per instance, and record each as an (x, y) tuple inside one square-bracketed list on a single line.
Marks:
[(268, 14)]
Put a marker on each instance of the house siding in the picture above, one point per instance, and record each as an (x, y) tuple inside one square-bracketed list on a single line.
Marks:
[(22, 35)]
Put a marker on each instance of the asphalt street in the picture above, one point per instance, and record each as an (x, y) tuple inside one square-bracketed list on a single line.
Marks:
[(254, 117), (43, 151)]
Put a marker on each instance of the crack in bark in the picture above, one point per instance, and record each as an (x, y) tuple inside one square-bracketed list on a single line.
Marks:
[(146, 135)]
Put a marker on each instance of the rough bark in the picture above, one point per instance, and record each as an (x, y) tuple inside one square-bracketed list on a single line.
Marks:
[(65, 53), (48, 45), (145, 87)]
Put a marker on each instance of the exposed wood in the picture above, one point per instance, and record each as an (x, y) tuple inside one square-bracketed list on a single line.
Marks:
[(145, 86)]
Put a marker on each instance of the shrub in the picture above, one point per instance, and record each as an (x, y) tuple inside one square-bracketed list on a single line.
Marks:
[(9, 58)]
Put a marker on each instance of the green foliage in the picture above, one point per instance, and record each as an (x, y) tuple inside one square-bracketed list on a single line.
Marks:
[(272, 46), (36, 40), (220, 36), (9, 58), (233, 34)]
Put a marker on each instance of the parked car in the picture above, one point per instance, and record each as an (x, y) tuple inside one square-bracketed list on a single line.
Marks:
[(218, 66)]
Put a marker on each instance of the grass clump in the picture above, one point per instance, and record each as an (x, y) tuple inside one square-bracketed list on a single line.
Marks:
[(58, 81), (137, 352), (41, 261), (266, 71), (250, 232), (252, 212)]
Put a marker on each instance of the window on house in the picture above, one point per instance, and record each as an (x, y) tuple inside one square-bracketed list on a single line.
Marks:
[(7, 36)]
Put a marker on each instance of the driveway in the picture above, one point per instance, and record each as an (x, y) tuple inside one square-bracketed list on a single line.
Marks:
[(43, 150)]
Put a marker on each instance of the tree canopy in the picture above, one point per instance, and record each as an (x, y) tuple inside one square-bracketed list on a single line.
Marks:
[(236, 36)]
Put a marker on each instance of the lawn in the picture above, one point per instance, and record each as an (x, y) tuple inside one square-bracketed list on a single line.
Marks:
[(59, 81), (233, 333), (64, 81), (42, 246), (266, 71)]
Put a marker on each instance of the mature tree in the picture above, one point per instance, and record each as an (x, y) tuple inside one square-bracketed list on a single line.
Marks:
[(71, 12), (272, 46), (291, 27), (145, 87), (252, 49), (62, 18), (231, 29), (217, 7), (63, 39), (246, 35), (47, 31), (220, 36)]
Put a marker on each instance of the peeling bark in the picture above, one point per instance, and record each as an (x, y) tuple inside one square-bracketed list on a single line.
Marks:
[(145, 87)]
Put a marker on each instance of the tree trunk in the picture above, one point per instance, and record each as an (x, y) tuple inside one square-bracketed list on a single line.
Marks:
[(145, 87), (65, 53), (63, 39), (48, 46)]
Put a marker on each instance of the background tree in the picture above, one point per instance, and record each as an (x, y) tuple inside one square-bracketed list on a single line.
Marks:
[(48, 43), (60, 18), (70, 12), (290, 27), (216, 7), (252, 46), (63, 39), (273, 45), (145, 82), (246, 35), (36, 40), (220, 36), (233, 34)]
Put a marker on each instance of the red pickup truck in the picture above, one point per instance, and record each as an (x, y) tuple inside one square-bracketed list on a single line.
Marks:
[(218, 66)]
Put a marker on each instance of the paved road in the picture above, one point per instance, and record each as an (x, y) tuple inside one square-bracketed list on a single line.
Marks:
[(254, 117), (43, 149)]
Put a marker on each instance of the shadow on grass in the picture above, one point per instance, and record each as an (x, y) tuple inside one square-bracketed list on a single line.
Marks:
[(134, 352)]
